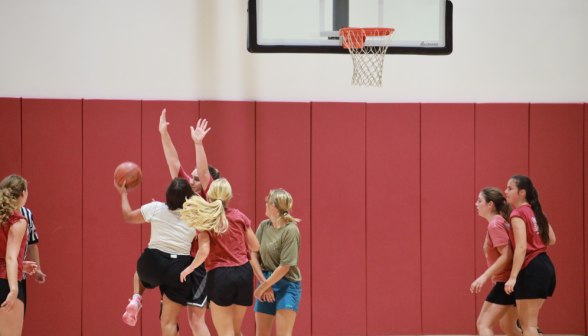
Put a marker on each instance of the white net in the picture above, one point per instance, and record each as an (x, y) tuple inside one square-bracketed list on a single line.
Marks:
[(367, 47)]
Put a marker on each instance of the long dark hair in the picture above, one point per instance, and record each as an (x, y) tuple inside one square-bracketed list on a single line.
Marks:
[(524, 183), (496, 196)]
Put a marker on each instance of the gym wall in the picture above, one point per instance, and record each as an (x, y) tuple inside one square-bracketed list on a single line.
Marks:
[(390, 236)]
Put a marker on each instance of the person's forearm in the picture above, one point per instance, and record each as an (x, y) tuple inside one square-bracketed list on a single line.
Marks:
[(34, 255), (276, 276), (201, 256), (256, 267), (498, 266), (517, 261), (126, 206), (202, 164), (171, 155), (12, 273)]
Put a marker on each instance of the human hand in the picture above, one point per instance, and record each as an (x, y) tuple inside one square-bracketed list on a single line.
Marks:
[(122, 189), (29, 267), (476, 286), (200, 131), (509, 286), (185, 273), (163, 122), (268, 295), (8, 304), (40, 276)]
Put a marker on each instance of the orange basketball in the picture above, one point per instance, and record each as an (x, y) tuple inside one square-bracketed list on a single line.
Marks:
[(129, 172)]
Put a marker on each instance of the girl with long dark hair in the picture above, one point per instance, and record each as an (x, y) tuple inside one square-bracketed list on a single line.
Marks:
[(532, 277)]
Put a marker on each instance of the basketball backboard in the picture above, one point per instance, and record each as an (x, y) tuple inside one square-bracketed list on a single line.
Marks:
[(423, 27)]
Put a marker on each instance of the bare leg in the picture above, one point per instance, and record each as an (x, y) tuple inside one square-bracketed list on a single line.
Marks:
[(529, 315), (11, 323), (170, 313), (222, 317), (508, 323), (285, 319), (238, 315), (138, 285), (196, 318), (489, 317), (263, 324)]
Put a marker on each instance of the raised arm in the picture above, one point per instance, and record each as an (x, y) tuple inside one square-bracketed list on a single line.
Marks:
[(171, 155), (130, 215), (13, 243), (198, 135)]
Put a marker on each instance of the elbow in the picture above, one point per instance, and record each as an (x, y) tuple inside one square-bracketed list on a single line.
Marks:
[(127, 218), (552, 240), (254, 247)]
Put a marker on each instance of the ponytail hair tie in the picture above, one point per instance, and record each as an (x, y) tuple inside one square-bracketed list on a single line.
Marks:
[(284, 213)]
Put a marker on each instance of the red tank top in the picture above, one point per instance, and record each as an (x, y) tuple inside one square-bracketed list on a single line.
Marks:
[(230, 249), (16, 216), (535, 244)]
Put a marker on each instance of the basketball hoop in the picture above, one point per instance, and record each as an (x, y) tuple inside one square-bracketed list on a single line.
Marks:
[(367, 47)]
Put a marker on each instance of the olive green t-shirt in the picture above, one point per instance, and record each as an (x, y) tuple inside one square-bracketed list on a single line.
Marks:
[(279, 247)]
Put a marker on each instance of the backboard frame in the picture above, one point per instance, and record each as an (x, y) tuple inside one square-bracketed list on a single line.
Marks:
[(254, 47)]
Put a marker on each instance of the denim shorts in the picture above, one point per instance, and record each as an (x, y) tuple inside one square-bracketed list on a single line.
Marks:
[(287, 294)]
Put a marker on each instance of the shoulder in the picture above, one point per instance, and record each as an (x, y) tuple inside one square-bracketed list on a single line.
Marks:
[(291, 229), (498, 224), (264, 224), (236, 214)]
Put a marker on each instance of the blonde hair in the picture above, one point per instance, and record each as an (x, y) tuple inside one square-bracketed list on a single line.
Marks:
[(283, 201), (11, 188), (205, 216)]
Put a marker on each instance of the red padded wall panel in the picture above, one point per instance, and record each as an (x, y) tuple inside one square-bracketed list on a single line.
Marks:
[(556, 168), (230, 147), (338, 216), (283, 161), (10, 151), (52, 163), (393, 219), (111, 247), (502, 150), (447, 218), (156, 177)]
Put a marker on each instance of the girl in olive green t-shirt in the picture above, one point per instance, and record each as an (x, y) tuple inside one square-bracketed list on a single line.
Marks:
[(276, 266)]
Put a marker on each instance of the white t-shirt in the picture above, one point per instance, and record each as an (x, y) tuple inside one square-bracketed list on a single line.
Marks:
[(169, 233)]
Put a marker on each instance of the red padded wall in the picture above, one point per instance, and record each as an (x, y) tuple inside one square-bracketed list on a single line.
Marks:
[(156, 177), (283, 161), (447, 216), (338, 216), (556, 168), (52, 163), (393, 219), (230, 147), (111, 247), (502, 150), (10, 151)]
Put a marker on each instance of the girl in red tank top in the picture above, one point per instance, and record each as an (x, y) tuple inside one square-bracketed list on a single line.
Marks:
[(225, 239), (532, 277), (13, 227), (499, 306)]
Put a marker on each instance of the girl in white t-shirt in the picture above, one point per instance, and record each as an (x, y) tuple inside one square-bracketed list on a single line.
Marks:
[(168, 253)]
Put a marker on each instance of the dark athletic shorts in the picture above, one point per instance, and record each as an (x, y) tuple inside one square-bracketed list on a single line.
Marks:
[(159, 269), (537, 280), (226, 286), (498, 296), (5, 290)]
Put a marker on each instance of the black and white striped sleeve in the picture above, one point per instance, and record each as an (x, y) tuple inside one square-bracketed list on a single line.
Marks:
[(33, 238)]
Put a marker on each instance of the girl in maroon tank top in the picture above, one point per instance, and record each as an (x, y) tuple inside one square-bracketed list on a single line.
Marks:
[(13, 228), (532, 277)]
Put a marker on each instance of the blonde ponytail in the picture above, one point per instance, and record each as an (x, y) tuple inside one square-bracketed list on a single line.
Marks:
[(11, 188), (283, 201), (205, 216)]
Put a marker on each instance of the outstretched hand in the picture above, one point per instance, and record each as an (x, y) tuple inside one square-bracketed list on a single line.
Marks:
[(163, 122), (200, 131)]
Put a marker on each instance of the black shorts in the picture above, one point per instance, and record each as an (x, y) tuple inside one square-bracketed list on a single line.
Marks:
[(226, 286), (5, 290), (537, 280), (159, 269), (498, 296)]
